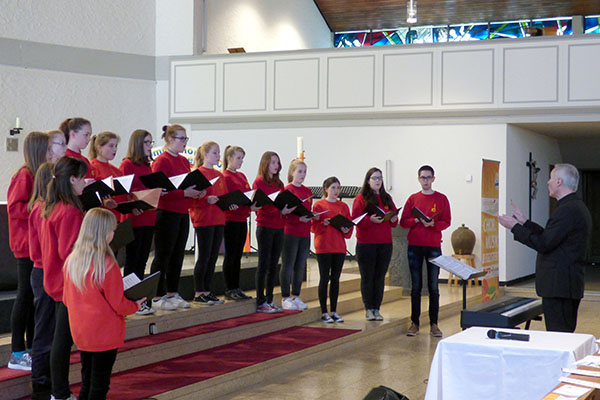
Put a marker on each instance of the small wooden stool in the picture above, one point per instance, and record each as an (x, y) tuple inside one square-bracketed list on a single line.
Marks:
[(468, 259)]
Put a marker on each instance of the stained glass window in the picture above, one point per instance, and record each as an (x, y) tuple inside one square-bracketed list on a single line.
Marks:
[(466, 32), (592, 24)]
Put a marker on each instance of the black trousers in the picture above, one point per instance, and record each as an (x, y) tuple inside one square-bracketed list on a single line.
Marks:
[(208, 240), (416, 256), (21, 321), (373, 261), (330, 269), (269, 249), (138, 251), (560, 314), (235, 237), (170, 236), (96, 368), (42, 339), (60, 355)]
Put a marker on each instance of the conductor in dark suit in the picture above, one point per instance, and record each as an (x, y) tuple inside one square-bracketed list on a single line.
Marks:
[(561, 249)]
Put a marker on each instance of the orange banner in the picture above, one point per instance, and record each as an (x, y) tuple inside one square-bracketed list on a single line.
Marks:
[(489, 228)]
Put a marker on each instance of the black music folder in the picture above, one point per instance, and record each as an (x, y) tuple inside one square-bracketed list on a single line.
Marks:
[(123, 235), (145, 288), (261, 199), (122, 184), (372, 209), (236, 197), (157, 180), (100, 187), (421, 215), (287, 198), (90, 200), (339, 222), (127, 207), (196, 179)]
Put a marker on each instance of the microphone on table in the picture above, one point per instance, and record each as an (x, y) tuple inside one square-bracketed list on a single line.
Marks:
[(492, 334)]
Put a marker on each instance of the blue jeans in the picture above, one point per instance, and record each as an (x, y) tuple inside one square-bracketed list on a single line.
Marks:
[(293, 263), (416, 255)]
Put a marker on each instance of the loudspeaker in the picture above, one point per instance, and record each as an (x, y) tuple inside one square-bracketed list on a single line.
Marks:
[(384, 393)]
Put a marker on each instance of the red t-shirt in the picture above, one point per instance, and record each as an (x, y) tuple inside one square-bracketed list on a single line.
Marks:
[(293, 225), (71, 153), (202, 213), (368, 231), (237, 181), (327, 238), (35, 223), (97, 307), (173, 201), (268, 216), (19, 192), (429, 204), (60, 230), (128, 167)]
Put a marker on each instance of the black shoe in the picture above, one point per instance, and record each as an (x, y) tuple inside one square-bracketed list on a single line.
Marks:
[(204, 300), (231, 295), (214, 298), (242, 295)]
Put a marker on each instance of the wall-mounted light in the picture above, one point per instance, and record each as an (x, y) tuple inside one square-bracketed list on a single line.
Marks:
[(17, 129), (411, 11)]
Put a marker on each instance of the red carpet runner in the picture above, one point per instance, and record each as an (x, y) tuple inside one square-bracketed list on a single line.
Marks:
[(182, 371)]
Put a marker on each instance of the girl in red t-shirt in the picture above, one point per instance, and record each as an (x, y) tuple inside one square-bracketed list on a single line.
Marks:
[(78, 133), (93, 294), (330, 246)]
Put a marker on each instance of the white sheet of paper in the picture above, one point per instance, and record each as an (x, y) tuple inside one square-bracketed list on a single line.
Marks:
[(125, 181), (454, 266), (177, 179), (320, 213), (356, 220), (589, 361), (213, 180), (571, 391), (108, 182), (130, 281), (250, 194), (273, 196)]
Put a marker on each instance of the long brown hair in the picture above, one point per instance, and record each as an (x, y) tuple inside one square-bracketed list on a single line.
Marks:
[(72, 124), (100, 140), (200, 151), (135, 151), (230, 152), (263, 169), (35, 150), (368, 193), (60, 188), (40, 184)]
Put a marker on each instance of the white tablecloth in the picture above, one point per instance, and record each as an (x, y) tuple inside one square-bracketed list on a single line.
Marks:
[(469, 365)]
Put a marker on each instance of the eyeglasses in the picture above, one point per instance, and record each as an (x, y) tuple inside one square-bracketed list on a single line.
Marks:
[(62, 144), (184, 139), (425, 178), (377, 178), (149, 142)]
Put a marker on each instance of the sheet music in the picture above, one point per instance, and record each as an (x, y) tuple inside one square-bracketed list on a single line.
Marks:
[(571, 391), (250, 194), (356, 220), (177, 179), (454, 266), (274, 195), (108, 182), (125, 181), (213, 180), (320, 213), (130, 281)]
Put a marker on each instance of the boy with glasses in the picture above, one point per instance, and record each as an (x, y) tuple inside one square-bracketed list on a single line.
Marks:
[(424, 243)]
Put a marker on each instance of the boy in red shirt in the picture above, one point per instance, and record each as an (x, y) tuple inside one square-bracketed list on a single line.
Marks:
[(424, 241)]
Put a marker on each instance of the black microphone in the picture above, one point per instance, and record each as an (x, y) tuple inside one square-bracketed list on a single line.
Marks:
[(492, 334)]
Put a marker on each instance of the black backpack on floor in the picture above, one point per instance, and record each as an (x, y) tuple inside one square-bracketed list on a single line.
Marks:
[(384, 393)]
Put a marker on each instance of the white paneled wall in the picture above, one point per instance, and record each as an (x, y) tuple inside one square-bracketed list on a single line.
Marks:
[(499, 75)]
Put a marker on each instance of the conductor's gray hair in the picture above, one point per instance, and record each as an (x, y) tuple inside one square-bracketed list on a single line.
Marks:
[(568, 174)]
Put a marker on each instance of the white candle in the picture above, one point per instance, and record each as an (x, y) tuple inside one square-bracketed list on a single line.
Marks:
[(18, 122), (300, 147)]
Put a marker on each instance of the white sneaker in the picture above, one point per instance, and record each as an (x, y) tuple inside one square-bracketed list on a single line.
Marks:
[(336, 317), (145, 309), (370, 316), (22, 363), (301, 305), (164, 303), (326, 318), (275, 307), (179, 301), (289, 304), (378, 317), (71, 397)]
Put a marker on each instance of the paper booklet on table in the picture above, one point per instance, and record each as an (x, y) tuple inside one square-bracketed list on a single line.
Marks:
[(421, 215), (136, 289), (455, 267), (143, 200)]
